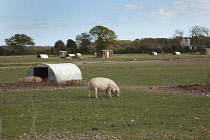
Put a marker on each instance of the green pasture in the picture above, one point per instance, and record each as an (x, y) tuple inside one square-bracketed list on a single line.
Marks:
[(135, 115), (28, 59), (149, 74), (171, 72), (116, 57)]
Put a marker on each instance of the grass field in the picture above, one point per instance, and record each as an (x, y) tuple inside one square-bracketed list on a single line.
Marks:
[(137, 114), (133, 115), (173, 72), (117, 57)]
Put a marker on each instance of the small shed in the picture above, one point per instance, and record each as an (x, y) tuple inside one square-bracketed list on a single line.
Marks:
[(104, 54), (205, 51), (56, 72), (42, 56), (62, 54)]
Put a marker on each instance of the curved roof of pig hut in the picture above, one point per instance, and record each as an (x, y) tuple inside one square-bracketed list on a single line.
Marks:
[(60, 73), (42, 56)]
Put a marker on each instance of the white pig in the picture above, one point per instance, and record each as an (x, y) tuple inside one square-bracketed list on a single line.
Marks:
[(68, 58), (100, 84)]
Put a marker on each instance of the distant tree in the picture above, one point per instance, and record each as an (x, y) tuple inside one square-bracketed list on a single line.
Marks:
[(19, 42), (207, 43), (103, 36), (179, 33), (163, 44), (176, 44), (59, 45), (71, 45), (1, 51), (176, 40), (198, 34), (84, 40), (52, 50), (150, 44), (205, 31), (195, 31)]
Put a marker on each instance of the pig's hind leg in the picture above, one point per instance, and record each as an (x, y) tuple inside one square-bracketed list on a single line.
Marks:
[(89, 91)]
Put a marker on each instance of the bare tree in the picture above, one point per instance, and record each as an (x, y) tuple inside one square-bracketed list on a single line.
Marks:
[(206, 31), (179, 33), (196, 31), (198, 34)]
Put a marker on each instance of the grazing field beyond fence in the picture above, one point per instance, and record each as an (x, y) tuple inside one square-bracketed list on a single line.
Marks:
[(137, 114)]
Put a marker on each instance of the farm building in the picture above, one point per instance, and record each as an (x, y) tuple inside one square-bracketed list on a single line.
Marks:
[(56, 72), (42, 56), (104, 54), (62, 54), (205, 51)]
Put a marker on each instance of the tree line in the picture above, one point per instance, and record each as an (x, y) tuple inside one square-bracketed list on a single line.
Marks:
[(100, 38)]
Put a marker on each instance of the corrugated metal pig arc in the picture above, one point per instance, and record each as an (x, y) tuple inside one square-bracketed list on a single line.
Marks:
[(61, 72)]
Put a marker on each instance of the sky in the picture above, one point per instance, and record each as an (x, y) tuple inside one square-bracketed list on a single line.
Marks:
[(47, 21)]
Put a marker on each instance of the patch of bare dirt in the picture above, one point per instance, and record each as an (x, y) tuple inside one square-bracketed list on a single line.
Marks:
[(40, 86), (194, 90), (66, 136)]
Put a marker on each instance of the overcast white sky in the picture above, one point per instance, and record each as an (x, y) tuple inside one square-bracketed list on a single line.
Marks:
[(47, 21)]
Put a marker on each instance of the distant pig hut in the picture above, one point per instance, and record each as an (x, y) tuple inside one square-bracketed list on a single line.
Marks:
[(176, 53), (205, 51), (74, 56), (42, 56), (62, 54), (70, 55), (153, 53), (104, 54), (59, 73)]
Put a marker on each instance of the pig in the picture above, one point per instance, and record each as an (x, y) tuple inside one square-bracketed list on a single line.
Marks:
[(78, 57), (100, 84), (31, 79), (68, 58)]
